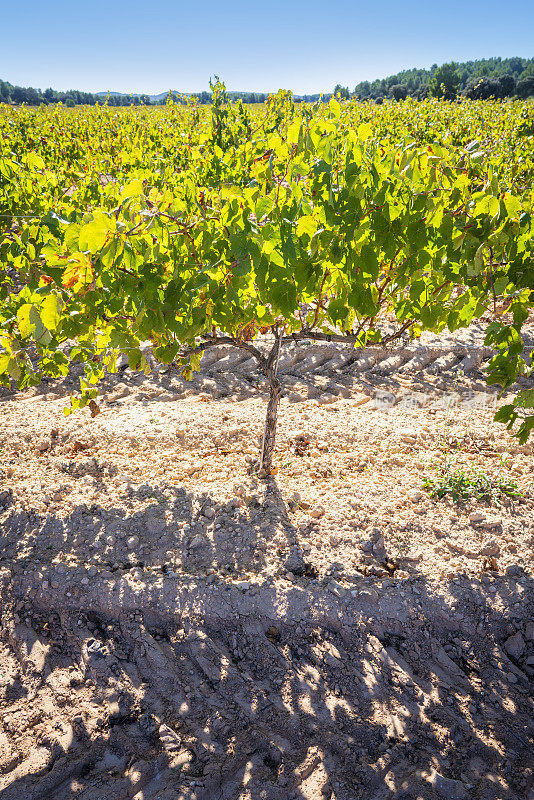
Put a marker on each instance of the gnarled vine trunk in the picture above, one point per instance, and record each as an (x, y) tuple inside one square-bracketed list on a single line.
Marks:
[(270, 370)]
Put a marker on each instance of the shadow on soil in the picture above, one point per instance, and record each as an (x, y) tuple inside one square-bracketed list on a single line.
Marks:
[(185, 689)]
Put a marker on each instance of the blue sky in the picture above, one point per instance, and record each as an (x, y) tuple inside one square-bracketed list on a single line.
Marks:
[(304, 46)]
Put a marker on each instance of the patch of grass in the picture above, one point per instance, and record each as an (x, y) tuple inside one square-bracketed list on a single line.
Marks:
[(461, 483)]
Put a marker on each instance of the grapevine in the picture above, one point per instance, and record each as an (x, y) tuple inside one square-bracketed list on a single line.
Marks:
[(188, 227)]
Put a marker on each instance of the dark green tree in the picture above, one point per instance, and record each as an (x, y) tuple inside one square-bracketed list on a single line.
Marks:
[(507, 85), (445, 81), (525, 87), (399, 92), (341, 91)]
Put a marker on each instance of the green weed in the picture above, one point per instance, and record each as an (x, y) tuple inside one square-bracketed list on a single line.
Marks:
[(461, 483)]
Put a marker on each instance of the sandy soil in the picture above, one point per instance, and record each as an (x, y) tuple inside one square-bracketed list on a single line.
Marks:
[(175, 627)]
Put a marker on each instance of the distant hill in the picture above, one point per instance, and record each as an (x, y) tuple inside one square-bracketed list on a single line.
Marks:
[(154, 98)]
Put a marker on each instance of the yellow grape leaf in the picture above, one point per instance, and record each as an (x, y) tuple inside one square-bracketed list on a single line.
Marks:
[(293, 132), (78, 272), (513, 205), (94, 234), (335, 108), (306, 224), (365, 131), (488, 205), (132, 189)]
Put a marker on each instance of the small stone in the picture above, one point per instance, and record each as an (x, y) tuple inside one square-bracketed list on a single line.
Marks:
[(514, 571), (43, 445), (368, 593), (132, 542), (170, 740), (294, 501), (273, 758), (327, 399), (414, 495), (384, 400), (379, 549), (354, 576), (447, 788), (209, 512), (191, 469), (317, 513), (295, 563), (120, 390), (511, 677), (490, 548), (336, 588), (241, 584), (515, 646), (294, 397), (491, 524), (272, 633), (529, 632), (94, 650), (476, 517), (197, 542)]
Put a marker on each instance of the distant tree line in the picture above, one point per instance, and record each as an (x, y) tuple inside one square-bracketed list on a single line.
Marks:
[(17, 95), (204, 98), (477, 80), (247, 97)]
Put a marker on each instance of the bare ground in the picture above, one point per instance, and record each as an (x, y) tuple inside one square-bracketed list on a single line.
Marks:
[(175, 628)]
